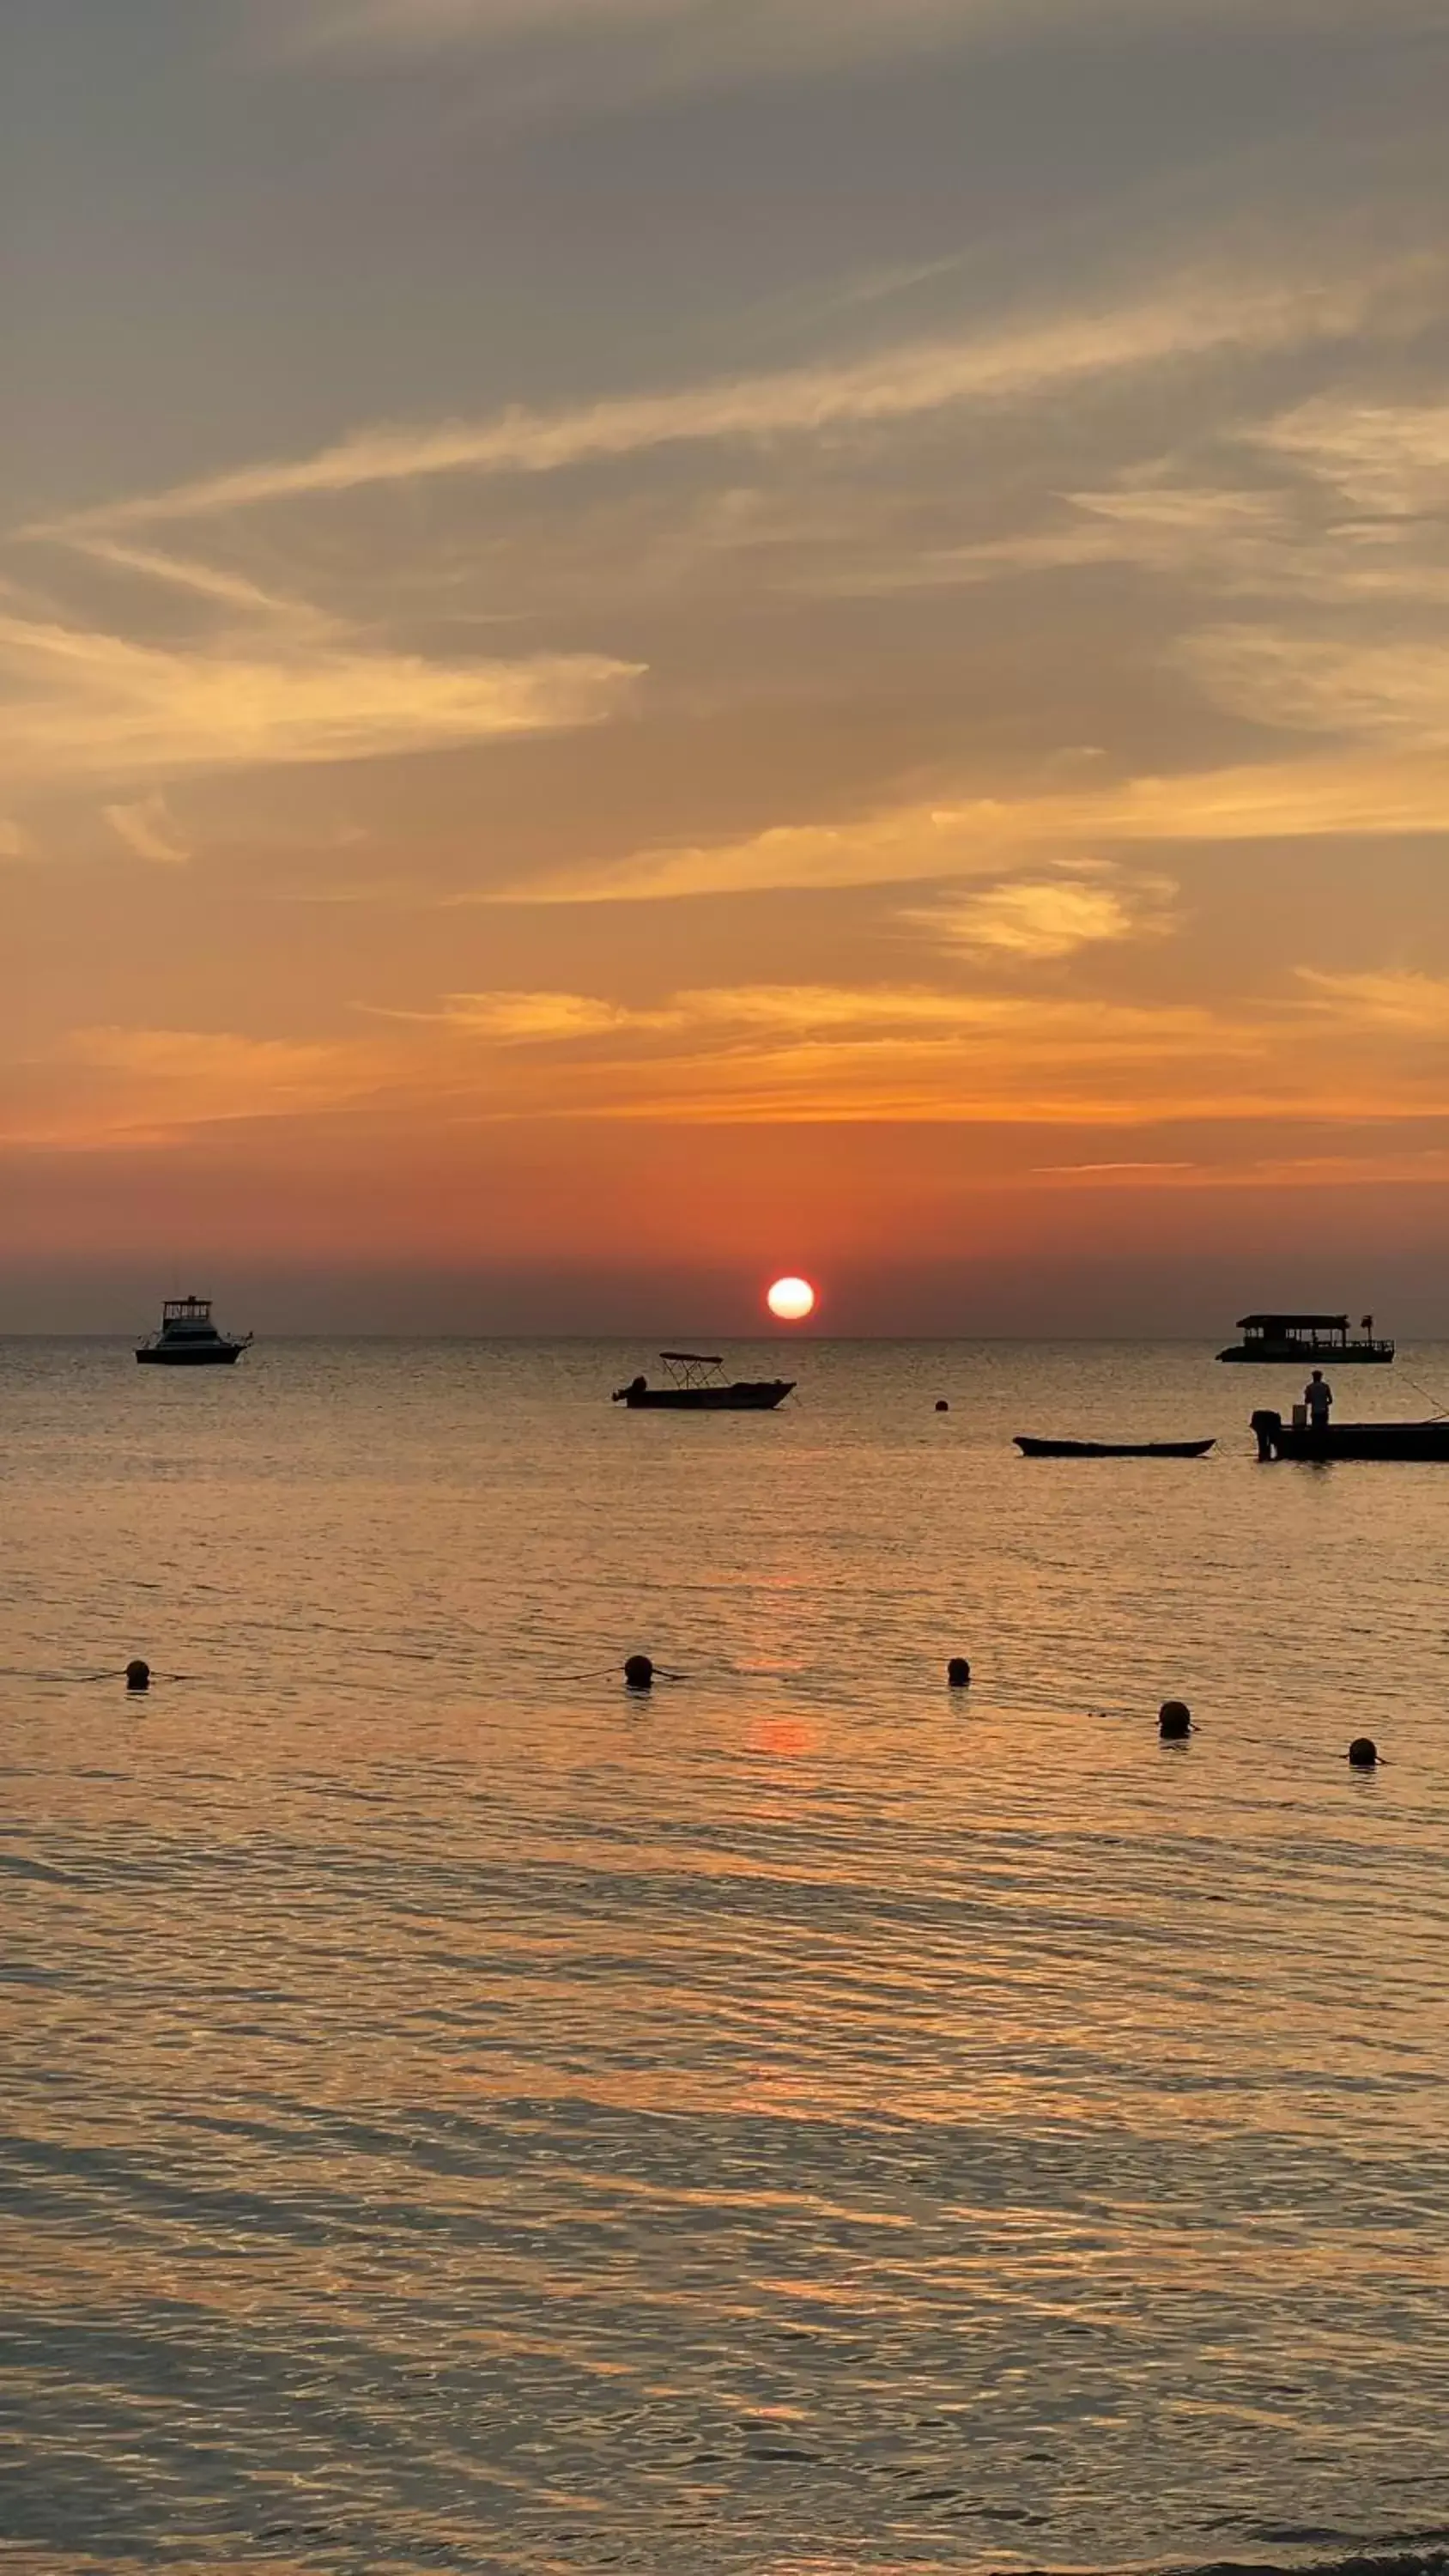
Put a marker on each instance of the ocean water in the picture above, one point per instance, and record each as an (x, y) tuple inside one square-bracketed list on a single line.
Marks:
[(459, 2114)]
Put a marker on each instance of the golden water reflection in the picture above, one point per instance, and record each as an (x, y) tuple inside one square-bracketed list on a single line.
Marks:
[(457, 2115)]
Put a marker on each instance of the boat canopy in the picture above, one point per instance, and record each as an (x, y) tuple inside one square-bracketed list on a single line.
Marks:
[(186, 1310), (694, 1368), (1275, 1326)]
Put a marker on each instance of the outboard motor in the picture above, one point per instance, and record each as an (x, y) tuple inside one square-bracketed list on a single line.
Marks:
[(1267, 1427)]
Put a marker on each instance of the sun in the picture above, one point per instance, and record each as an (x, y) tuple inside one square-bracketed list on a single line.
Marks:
[(791, 1300)]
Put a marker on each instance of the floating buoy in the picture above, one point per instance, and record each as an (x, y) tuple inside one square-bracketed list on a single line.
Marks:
[(1363, 1753), (639, 1673), (1174, 1721), (941, 1405), (958, 1673), (138, 1675)]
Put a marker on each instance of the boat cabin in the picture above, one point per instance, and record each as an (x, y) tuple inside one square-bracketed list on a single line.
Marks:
[(188, 1319), (1327, 1333), (1306, 1337)]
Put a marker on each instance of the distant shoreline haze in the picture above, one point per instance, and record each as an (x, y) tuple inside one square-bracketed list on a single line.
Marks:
[(1130, 1302)]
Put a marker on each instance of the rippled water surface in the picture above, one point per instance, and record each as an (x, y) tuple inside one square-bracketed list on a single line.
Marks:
[(458, 2114)]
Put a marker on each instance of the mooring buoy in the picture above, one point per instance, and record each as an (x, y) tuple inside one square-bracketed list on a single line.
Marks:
[(958, 1673), (1174, 1721), (639, 1673), (138, 1675)]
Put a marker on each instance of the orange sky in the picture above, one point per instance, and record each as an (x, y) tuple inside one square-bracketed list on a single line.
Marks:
[(649, 643)]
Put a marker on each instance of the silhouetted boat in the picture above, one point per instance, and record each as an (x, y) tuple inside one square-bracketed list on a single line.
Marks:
[(1304, 1440), (1296, 1341), (1113, 1448), (189, 1339), (699, 1385)]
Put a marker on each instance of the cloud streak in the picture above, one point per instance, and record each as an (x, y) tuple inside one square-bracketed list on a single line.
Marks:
[(147, 829), (1195, 316), (861, 1053), (593, 52), (91, 706), (1331, 795), (1039, 920), (1408, 1004), (1330, 1047)]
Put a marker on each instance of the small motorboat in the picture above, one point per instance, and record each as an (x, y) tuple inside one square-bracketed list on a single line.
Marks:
[(1319, 1442), (1114, 1448), (189, 1339), (698, 1385)]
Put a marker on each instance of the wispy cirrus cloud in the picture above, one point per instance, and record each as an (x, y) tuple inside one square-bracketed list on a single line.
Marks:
[(1401, 1001), (854, 1053), (899, 845), (131, 1088), (590, 52), (1191, 316), (147, 828), (15, 841), (1040, 919), (1389, 793), (1326, 1048), (88, 704), (858, 1053), (1391, 458), (1391, 687), (758, 28)]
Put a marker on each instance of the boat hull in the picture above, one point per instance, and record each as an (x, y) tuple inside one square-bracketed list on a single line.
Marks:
[(1114, 1448), (224, 1355), (744, 1397), (1302, 1355), (1417, 1441)]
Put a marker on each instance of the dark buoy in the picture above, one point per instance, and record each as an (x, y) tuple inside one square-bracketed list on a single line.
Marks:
[(1174, 1721), (639, 1673), (138, 1675), (958, 1673), (1363, 1753), (941, 1405)]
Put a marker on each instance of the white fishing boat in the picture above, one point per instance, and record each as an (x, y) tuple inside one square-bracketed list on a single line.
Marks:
[(189, 1339)]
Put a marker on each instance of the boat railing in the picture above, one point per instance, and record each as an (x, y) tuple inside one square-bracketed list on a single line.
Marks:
[(1319, 1346)]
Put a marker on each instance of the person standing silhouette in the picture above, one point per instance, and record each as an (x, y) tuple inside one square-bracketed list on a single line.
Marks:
[(1318, 1396)]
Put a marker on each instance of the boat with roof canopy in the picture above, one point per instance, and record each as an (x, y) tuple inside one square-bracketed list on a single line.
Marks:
[(189, 1339), (698, 1385), (1287, 1341)]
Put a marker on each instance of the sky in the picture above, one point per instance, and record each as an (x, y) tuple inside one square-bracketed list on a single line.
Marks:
[(646, 642)]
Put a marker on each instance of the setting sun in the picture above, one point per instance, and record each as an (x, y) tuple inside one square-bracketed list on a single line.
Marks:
[(791, 1300)]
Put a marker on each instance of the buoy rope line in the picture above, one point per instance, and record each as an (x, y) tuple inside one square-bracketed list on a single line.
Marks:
[(711, 1675), (103, 1673), (639, 1675)]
